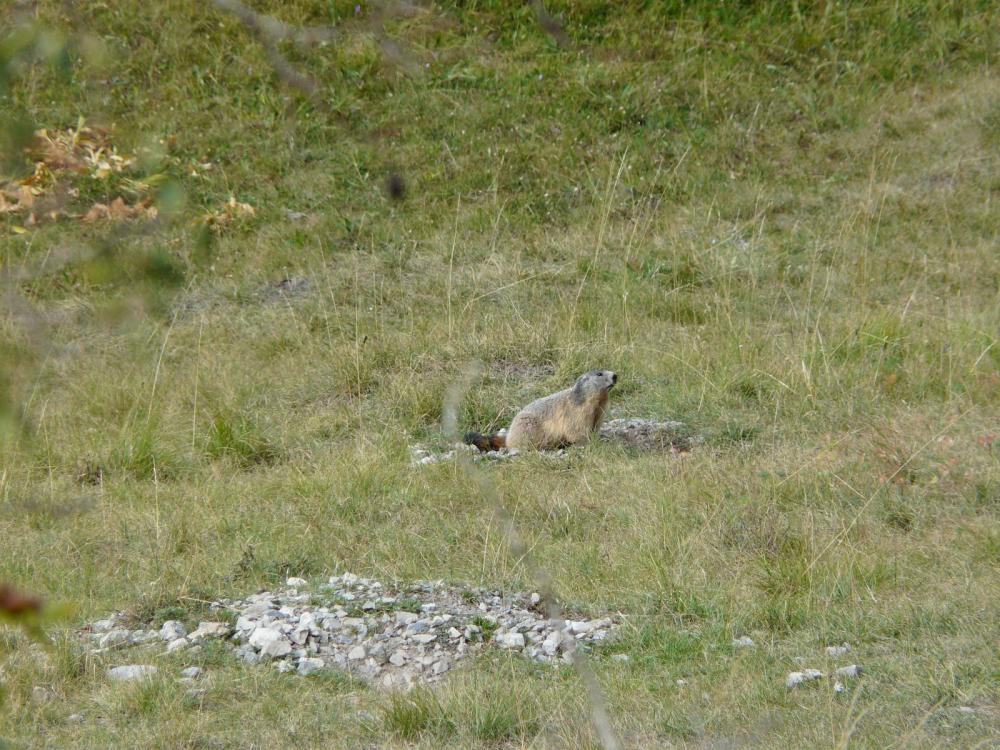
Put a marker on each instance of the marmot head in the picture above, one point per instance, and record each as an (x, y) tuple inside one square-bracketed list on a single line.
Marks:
[(594, 383)]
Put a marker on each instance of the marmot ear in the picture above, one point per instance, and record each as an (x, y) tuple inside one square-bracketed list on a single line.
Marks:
[(578, 395)]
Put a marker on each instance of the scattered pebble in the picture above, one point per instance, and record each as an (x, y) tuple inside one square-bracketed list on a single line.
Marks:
[(807, 675), (620, 657), (744, 641), (838, 687), (850, 671), (367, 629), (131, 672), (191, 672), (74, 718), (838, 650)]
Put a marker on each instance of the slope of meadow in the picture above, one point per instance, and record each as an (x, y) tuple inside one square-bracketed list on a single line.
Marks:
[(777, 222)]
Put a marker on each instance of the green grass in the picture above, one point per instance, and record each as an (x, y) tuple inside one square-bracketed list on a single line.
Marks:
[(776, 221)]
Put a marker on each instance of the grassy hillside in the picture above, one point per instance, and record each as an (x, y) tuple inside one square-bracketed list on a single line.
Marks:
[(777, 222)]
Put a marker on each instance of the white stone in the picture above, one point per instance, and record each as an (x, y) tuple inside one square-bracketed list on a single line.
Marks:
[(398, 658), (838, 687), (441, 666), (270, 642), (551, 643), (405, 618), (512, 641), (308, 666), (171, 630), (583, 627), (620, 657), (130, 672), (838, 650), (74, 718), (349, 579), (191, 672), (535, 598), (797, 678), (425, 638), (357, 653), (850, 671), (307, 620), (283, 666), (295, 582), (177, 644), (744, 641)]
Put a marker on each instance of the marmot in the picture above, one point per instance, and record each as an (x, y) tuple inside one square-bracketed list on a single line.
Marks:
[(555, 421)]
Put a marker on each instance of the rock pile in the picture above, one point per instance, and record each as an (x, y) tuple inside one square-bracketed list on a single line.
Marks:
[(393, 637)]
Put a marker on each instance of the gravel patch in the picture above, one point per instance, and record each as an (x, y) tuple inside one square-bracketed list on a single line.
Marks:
[(391, 636)]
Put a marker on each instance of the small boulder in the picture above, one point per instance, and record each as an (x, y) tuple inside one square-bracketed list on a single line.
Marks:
[(177, 645), (510, 641), (270, 642), (171, 630), (551, 643)]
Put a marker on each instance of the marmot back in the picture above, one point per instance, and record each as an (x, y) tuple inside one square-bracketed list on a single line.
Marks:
[(561, 419)]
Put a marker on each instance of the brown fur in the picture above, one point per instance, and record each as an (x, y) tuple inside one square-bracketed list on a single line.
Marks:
[(555, 421)]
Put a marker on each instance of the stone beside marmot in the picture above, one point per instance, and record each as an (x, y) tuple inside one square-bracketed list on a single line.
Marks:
[(555, 421)]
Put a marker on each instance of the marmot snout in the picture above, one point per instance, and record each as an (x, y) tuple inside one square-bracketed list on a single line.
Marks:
[(561, 419)]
